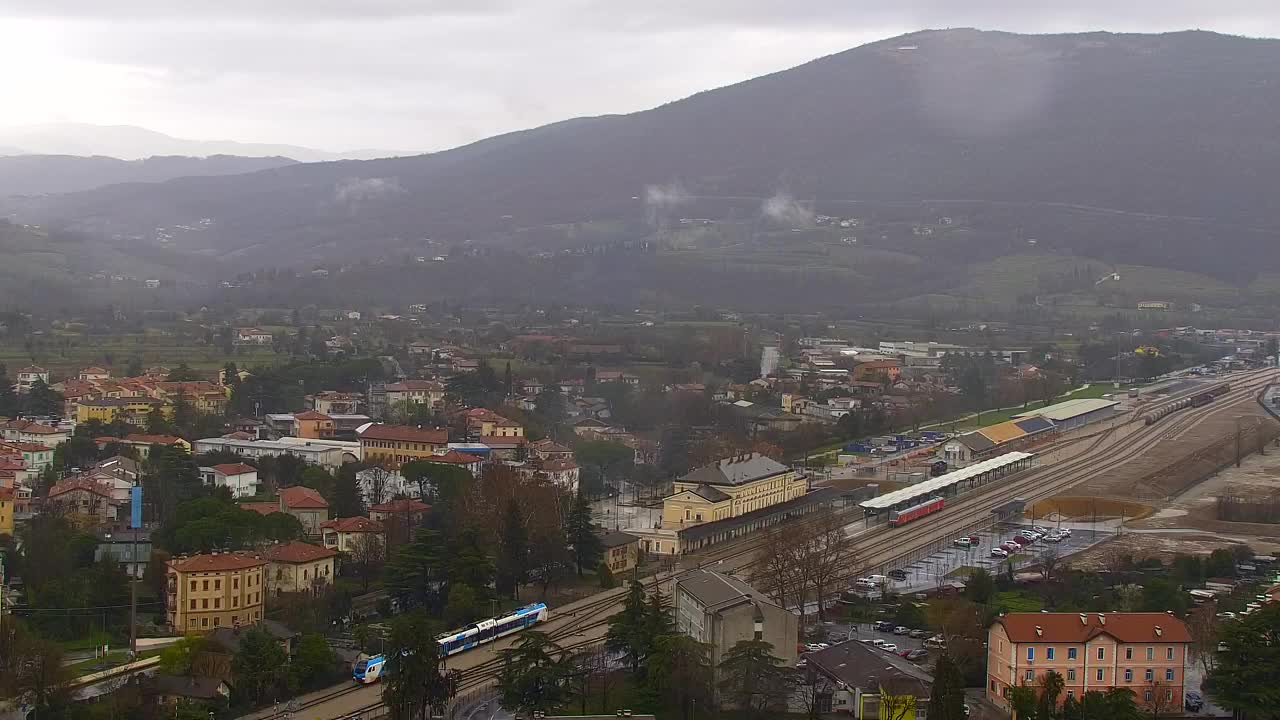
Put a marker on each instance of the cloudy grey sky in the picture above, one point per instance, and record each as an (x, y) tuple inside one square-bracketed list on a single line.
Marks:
[(432, 74)]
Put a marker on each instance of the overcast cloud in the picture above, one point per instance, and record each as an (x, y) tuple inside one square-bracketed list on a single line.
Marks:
[(432, 74)]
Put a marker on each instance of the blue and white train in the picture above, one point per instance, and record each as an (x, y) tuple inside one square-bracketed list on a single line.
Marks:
[(485, 631)]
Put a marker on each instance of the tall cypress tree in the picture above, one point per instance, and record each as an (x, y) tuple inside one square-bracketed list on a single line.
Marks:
[(946, 702), (513, 551), (587, 547)]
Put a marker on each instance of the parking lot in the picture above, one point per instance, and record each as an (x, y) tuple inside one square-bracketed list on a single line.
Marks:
[(937, 569)]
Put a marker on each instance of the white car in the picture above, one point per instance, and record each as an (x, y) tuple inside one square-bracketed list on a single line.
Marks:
[(889, 647), (999, 552), (879, 642), (962, 543)]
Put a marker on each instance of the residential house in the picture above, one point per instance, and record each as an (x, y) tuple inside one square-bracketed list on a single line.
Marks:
[(728, 488), (721, 610), (868, 683), (133, 410), (406, 512), (588, 426), (298, 567), (29, 376), (330, 402), (173, 690), (308, 505), (415, 392), (615, 376), (212, 590), (470, 462), (239, 478), (421, 347), (86, 497), (562, 472), (28, 431), (394, 445), (342, 534), (131, 548), (253, 336), (35, 456), (312, 424), (142, 443), (1146, 653), (503, 447), (875, 370), (482, 422), (94, 374), (327, 453), (621, 552), (549, 450), (8, 508)]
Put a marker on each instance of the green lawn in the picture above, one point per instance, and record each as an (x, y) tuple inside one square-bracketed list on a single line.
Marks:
[(1018, 601), (65, 354)]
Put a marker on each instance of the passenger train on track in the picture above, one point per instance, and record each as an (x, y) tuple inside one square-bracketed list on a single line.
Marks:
[(452, 643)]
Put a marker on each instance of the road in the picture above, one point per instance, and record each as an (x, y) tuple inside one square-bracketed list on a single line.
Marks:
[(584, 623)]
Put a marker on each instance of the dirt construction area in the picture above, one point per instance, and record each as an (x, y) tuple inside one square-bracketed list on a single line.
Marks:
[(1168, 498)]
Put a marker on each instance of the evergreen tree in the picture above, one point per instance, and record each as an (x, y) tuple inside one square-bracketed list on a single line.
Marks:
[(755, 679), (416, 686), (43, 400), (513, 551), (627, 629), (678, 674), (1245, 677), (259, 664), (535, 674), (347, 500), (581, 533), (417, 573), (947, 699), (8, 396)]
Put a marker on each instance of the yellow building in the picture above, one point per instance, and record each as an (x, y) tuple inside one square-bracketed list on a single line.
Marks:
[(298, 567), (394, 445), (131, 410), (729, 488), (6, 511), (207, 591)]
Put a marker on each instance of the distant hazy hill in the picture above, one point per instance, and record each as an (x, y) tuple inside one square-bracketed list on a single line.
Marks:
[(134, 143), (35, 174), (1176, 129)]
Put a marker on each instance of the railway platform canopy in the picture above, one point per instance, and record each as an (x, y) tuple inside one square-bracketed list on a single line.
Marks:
[(952, 483)]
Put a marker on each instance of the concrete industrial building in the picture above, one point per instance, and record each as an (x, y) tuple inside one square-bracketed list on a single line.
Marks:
[(720, 610)]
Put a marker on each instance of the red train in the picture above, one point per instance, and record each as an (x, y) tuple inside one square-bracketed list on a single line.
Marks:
[(928, 507)]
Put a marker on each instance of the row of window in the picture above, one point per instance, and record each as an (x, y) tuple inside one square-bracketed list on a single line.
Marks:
[(396, 445), (1102, 653), (217, 621), (217, 602), (1146, 694), (217, 583), (1100, 675)]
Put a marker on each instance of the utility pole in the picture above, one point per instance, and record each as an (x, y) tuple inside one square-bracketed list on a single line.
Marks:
[(1237, 441)]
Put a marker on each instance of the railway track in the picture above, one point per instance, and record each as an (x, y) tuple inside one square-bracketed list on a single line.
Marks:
[(883, 549)]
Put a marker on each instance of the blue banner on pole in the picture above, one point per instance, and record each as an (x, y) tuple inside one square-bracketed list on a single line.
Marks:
[(135, 507)]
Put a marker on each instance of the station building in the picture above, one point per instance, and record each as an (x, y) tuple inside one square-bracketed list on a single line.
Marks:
[(998, 439)]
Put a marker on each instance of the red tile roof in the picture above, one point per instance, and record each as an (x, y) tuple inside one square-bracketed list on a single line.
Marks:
[(1071, 628), (235, 468), (298, 552), (353, 525), (152, 439), (406, 433), (453, 457), (504, 442), (302, 498), (31, 427), (79, 483), (559, 465), (403, 505), (262, 508), (311, 415), (25, 446), (406, 385), (220, 562)]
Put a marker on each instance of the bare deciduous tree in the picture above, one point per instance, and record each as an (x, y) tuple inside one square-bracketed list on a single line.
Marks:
[(376, 483), (1202, 622), (366, 555)]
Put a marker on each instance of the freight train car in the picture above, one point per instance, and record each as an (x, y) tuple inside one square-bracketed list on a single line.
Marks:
[(898, 518), (1199, 400)]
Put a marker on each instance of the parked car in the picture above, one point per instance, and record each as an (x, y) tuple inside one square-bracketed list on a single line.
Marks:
[(975, 539), (889, 647), (1041, 530), (917, 655), (999, 552), (1022, 540), (838, 637), (937, 641), (1011, 546), (962, 543), (1193, 702), (884, 626), (1065, 531), (878, 642), (918, 634), (901, 630), (898, 574)]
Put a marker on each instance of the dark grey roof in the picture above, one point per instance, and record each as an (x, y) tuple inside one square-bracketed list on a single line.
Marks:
[(859, 665), (976, 441), (710, 494), (737, 470), (229, 638), (718, 592), (616, 539), (200, 688)]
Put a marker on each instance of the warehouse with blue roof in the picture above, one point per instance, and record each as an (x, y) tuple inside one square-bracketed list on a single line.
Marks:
[(1073, 414), (997, 439)]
